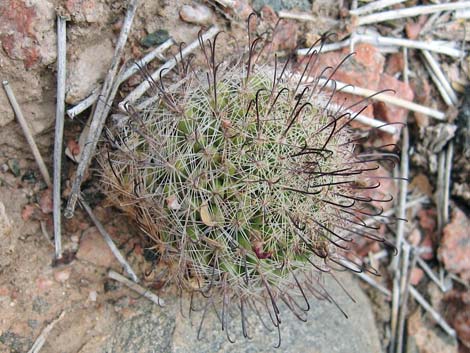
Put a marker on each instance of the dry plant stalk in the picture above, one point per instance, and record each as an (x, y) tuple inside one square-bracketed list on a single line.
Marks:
[(247, 182)]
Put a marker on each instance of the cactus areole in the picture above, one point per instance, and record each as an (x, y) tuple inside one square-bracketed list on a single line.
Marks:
[(246, 181)]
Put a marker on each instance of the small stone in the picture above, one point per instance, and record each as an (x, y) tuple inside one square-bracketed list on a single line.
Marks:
[(155, 38), (63, 275), (415, 237), (197, 14), (45, 201), (89, 67), (94, 249), (412, 30), (14, 167), (43, 284), (454, 249), (92, 296), (416, 276), (285, 37), (27, 212), (395, 64)]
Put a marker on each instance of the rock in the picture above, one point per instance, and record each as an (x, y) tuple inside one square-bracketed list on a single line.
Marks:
[(5, 223), (155, 38), (278, 5), (454, 249), (45, 201), (416, 276), (90, 66), (197, 14), (27, 31), (154, 329), (94, 249), (91, 11), (285, 36), (388, 112), (395, 64), (62, 275), (426, 339)]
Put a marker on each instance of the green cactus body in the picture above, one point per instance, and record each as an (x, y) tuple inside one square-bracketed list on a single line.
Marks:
[(241, 180)]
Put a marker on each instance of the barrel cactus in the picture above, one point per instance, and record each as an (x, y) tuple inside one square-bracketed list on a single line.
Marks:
[(246, 181)]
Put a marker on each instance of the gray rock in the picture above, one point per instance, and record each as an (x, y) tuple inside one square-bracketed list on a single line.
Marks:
[(164, 330), (278, 5)]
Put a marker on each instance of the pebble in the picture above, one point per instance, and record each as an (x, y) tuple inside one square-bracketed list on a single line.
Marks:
[(62, 275), (197, 14)]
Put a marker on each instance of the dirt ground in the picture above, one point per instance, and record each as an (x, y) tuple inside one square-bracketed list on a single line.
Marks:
[(34, 291)]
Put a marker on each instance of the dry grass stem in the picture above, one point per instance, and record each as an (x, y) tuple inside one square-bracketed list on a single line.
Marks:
[(373, 6), (43, 336), (27, 133), (439, 319), (140, 90), (411, 12), (386, 98), (133, 69), (442, 83), (439, 195), (447, 182), (431, 274), (373, 283), (109, 241), (136, 288), (300, 16), (102, 109), (84, 104), (59, 132)]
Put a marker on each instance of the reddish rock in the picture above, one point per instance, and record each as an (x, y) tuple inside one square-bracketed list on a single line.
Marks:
[(362, 69), (412, 30), (269, 15), (427, 245), (27, 212), (73, 147), (415, 237), (454, 249), (94, 249), (428, 219), (43, 284), (45, 201), (416, 276), (388, 112), (241, 9), (395, 64), (285, 36), (461, 324), (18, 36), (62, 275)]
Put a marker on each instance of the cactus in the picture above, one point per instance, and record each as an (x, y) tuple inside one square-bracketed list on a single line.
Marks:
[(246, 181)]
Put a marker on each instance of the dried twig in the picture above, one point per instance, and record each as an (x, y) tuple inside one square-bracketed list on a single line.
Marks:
[(431, 274), (386, 98), (133, 69), (438, 47), (109, 241), (382, 43), (59, 132), (399, 275), (361, 118), (139, 91), (374, 283), (374, 5), (102, 109), (27, 134), (408, 267), (439, 195), (84, 104), (439, 319), (411, 12), (136, 288), (447, 172), (43, 336), (440, 80)]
